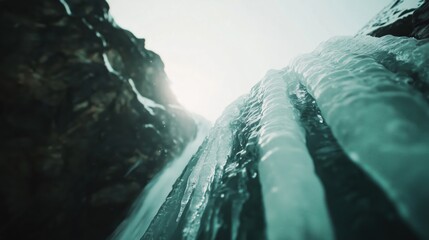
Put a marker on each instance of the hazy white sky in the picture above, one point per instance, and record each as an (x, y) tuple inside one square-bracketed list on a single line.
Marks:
[(216, 50)]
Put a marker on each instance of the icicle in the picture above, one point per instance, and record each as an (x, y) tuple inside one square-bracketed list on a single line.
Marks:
[(293, 195), (180, 216)]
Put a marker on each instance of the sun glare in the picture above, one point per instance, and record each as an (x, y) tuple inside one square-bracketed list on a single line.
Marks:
[(193, 90), (215, 51)]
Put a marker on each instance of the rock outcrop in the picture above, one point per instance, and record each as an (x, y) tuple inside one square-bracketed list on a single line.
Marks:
[(408, 18), (87, 118)]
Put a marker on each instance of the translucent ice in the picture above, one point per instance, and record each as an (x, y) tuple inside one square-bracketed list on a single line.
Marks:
[(180, 215), (380, 122), (293, 195)]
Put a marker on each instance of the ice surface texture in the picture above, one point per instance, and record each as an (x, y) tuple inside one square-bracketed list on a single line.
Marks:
[(398, 9), (292, 193), (381, 122), (180, 215)]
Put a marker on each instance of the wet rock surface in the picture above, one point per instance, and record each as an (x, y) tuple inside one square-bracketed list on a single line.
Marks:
[(86, 119), (421, 22)]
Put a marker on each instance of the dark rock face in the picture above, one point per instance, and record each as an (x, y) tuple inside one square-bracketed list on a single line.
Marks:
[(402, 18), (87, 119), (421, 22)]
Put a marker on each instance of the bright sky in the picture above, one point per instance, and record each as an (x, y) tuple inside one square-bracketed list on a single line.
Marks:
[(216, 50)]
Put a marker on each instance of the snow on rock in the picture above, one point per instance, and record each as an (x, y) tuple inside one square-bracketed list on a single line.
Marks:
[(395, 18)]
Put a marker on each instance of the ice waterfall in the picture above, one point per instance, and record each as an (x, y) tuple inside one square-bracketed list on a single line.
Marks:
[(335, 146)]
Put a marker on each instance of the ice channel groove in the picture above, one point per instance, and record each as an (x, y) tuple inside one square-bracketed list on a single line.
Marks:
[(171, 216), (350, 192)]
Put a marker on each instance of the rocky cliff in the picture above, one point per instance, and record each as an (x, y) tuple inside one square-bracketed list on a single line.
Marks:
[(86, 119)]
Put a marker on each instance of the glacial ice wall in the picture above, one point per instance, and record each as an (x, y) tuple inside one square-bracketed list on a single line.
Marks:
[(335, 146)]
